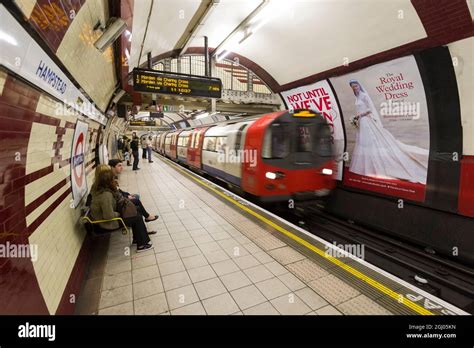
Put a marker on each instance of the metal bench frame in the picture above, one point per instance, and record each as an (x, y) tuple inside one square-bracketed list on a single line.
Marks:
[(86, 219)]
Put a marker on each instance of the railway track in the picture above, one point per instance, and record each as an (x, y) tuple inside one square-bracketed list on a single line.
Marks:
[(439, 276), (433, 273)]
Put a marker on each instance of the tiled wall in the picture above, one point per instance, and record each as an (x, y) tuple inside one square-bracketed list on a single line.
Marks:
[(92, 69), (35, 200), (67, 28)]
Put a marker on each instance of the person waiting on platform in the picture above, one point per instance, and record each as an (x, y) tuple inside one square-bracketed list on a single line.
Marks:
[(127, 151), (105, 198), (148, 148), (134, 144), (120, 147), (117, 168), (144, 146)]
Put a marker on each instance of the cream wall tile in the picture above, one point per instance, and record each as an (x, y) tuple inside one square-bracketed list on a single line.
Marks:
[(93, 70), (36, 188), (3, 77), (40, 147), (37, 161), (45, 205), (26, 6), (50, 107), (58, 248)]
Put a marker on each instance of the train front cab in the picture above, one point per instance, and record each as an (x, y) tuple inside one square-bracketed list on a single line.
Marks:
[(295, 154)]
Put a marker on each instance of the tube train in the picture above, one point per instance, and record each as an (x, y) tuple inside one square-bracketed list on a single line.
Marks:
[(273, 157)]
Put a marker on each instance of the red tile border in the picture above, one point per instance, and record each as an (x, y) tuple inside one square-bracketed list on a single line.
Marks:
[(34, 225), (44, 197)]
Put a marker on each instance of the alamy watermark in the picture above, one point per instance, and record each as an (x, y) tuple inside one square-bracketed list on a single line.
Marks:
[(238, 156), (342, 250), (37, 331), (27, 251), (400, 108)]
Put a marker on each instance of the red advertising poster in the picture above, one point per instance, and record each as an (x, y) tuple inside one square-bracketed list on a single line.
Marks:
[(387, 129)]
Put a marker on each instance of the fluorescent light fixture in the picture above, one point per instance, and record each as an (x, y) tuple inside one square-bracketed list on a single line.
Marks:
[(326, 171), (232, 44), (128, 35), (222, 55), (270, 175), (247, 34), (274, 9), (8, 38), (127, 54), (141, 114)]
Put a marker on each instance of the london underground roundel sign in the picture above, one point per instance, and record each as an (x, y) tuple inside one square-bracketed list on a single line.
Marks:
[(78, 169)]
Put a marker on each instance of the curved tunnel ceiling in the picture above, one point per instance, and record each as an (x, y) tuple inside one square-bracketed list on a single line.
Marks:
[(305, 39)]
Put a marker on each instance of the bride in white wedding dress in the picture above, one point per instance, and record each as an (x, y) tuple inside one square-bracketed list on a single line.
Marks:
[(377, 153)]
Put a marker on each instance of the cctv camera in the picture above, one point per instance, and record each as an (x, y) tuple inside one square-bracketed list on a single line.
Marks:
[(118, 95), (113, 31)]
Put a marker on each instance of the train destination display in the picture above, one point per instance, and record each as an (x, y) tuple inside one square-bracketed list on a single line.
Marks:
[(152, 81)]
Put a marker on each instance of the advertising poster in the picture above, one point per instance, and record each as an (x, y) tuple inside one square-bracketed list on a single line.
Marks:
[(319, 97), (387, 128), (78, 168)]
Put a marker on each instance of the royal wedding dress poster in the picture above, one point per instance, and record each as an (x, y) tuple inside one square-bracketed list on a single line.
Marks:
[(387, 128)]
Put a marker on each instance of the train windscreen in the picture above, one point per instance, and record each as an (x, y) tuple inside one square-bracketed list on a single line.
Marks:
[(303, 138), (276, 143)]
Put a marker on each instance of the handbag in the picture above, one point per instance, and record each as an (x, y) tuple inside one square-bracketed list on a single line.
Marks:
[(125, 207)]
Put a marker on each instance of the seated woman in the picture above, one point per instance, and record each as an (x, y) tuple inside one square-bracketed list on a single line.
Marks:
[(104, 207), (117, 169)]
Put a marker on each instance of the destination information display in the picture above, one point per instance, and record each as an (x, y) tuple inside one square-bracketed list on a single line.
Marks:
[(143, 123), (152, 81)]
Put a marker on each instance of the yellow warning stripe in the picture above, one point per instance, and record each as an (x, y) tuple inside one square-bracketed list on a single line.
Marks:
[(372, 282)]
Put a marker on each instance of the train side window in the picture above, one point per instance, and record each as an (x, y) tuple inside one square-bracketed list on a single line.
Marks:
[(238, 137), (198, 137), (221, 144), (276, 142), (209, 144)]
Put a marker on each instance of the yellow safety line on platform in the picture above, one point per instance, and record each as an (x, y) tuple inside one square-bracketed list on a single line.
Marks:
[(372, 282)]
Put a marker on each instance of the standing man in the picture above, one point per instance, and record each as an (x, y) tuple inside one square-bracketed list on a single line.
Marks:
[(149, 148), (120, 147), (134, 147), (144, 147)]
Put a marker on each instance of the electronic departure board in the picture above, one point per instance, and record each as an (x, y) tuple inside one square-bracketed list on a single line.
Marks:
[(153, 81), (143, 123)]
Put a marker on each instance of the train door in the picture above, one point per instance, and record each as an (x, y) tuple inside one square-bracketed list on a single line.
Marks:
[(167, 144), (234, 152)]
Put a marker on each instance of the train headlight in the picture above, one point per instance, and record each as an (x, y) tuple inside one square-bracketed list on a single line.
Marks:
[(326, 171), (270, 175)]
